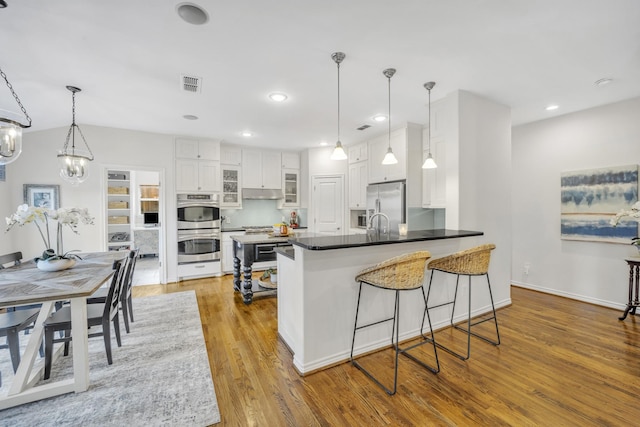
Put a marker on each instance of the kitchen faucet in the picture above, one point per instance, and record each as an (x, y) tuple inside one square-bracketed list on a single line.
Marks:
[(370, 226)]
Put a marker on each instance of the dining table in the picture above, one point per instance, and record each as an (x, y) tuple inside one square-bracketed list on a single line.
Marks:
[(25, 284)]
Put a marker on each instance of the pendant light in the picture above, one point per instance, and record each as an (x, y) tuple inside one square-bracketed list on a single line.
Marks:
[(11, 130), (389, 158), (338, 151), (74, 161), (429, 163)]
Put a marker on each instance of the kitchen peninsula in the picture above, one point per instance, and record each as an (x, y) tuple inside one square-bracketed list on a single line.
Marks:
[(317, 292)]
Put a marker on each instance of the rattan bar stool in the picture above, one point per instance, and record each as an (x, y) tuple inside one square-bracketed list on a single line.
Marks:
[(401, 273), (470, 262)]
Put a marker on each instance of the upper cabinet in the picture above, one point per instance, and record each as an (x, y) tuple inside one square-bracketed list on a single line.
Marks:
[(231, 187), (290, 160), (357, 153), (197, 165), (406, 143), (197, 149), (261, 169), (230, 155), (434, 180), (358, 185)]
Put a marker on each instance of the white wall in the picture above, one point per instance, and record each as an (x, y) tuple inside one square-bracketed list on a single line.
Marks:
[(479, 180), (111, 147), (6, 209), (594, 138)]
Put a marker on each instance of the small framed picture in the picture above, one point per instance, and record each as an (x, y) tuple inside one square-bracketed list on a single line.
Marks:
[(42, 195)]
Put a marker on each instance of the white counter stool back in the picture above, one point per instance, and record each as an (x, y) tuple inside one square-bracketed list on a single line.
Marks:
[(470, 262), (401, 273)]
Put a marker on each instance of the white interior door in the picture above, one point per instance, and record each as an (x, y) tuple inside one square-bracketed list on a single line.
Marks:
[(328, 204)]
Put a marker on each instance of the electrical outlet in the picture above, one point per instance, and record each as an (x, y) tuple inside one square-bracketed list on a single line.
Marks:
[(227, 219), (527, 266)]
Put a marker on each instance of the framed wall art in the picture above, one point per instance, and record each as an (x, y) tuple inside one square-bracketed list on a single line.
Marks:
[(590, 198), (42, 195)]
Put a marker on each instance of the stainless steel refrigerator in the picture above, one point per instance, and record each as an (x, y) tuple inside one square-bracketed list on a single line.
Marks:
[(388, 198)]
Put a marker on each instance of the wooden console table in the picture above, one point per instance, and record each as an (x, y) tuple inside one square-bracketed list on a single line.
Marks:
[(634, 286)]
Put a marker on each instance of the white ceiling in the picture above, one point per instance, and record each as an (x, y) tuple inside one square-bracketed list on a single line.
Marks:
[(128, 56)]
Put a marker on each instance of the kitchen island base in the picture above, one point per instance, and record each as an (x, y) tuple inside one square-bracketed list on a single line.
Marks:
[(317, 296)]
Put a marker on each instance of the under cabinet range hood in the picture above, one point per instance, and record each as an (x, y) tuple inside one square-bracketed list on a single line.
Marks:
[(262, 194)]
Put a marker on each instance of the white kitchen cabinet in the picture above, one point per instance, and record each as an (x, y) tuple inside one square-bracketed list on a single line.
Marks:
[(230, 155), (358, 153), (197, 165), (231, 186), (227, 250), (197, 149), (261, 169), (358, 185), (378, 149), (434, 181), (290, 160), (197, 176), (406, 143), (118, 210), (291, 188)]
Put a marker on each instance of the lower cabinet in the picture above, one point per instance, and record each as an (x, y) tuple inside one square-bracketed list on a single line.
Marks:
[(227, 250), (198, 269)]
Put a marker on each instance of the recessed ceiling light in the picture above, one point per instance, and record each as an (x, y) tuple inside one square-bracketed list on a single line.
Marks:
[(278, 96), (192, 13), (246, 134), (324, 143), (552, 107), (603, 82), (190, 117), (380, 118)]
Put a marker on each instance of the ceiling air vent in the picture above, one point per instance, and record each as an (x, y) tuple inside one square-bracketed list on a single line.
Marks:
[(191, 83), (363, 127)]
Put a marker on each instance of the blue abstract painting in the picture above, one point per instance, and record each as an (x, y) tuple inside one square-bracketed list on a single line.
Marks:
[(590, 198)]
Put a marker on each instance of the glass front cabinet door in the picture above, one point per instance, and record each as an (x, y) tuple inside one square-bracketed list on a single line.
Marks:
[(291, 186), (231, 197)]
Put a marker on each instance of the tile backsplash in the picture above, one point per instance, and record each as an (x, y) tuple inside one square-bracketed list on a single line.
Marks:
[(260, 212)]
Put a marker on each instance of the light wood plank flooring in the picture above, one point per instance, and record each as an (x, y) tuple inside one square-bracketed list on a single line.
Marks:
[(561, 363)]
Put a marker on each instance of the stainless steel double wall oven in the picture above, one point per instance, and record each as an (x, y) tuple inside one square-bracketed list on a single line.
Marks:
[(198, 228)]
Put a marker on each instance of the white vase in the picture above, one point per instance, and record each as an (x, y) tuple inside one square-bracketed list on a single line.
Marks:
[(55, 264)]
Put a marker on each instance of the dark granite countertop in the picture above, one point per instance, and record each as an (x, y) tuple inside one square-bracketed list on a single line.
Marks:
[(231, 229), (319, 243), (286, 251)]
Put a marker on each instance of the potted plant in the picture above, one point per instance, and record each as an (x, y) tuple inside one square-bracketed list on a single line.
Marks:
[(633, 213), (270, 273)]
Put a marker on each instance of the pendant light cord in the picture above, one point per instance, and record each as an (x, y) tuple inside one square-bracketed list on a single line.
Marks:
[(429, 122), (389, 120), (338, 101)]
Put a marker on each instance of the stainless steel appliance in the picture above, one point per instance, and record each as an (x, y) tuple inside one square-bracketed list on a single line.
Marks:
[(198, 245), (198, 228), (267, 251), (196, 211), (388, 198)]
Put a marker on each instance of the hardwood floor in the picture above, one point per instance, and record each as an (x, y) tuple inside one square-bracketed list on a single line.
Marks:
[(561, 363)]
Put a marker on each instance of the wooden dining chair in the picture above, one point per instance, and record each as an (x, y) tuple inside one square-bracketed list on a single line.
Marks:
[(97, 315), (14, 258), (126, 305)]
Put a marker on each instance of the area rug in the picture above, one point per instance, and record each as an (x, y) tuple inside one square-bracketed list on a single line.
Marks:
[(159, 377)]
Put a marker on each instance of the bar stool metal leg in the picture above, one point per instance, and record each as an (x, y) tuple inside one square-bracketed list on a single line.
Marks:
[(395, 339)]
